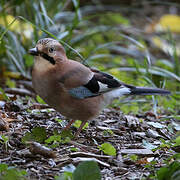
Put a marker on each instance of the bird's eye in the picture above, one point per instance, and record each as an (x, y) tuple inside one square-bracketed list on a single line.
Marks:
[(51, 50)]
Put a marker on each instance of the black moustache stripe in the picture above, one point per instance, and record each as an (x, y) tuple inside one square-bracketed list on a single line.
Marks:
[(48, 58)]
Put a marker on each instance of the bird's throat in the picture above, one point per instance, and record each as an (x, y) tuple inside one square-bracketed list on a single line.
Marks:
[(41, 65)]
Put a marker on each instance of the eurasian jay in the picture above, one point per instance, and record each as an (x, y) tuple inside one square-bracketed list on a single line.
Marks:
[(76, 91)]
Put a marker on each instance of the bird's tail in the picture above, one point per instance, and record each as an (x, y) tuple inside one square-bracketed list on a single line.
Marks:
[(148, 91)]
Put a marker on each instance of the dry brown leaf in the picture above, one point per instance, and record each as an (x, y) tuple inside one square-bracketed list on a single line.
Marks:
[(37, 148)]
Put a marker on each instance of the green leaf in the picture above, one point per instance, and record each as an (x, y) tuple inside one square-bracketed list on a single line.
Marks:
[(108, 149), (53, 139), (134, 157), (4, 96), (40, 100), (169, 172), (27, 137), (4, 138), (9, 173), (74, 149), (66, 136), (87, 170), (13, 173), (38, 134), (56, 139), (78, 123), (162, 173), (10, 83), (177, 140), (3, 167)]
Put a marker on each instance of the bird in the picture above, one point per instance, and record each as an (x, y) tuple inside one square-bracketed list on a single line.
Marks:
[(75, 90)]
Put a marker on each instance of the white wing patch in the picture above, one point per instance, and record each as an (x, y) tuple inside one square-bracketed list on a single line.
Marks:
[(115, 92), (103, 87), (120, 91), (111, 95)]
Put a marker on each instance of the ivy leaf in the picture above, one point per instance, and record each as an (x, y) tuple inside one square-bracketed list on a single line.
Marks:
[(108, 149)]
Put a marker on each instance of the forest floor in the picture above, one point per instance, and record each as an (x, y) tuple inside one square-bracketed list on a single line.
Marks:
[(136, 139)]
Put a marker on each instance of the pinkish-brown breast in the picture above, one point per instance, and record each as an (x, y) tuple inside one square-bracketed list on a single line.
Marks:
[(50, 86)]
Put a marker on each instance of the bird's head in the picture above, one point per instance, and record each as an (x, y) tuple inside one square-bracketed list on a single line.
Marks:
[(49, 50)]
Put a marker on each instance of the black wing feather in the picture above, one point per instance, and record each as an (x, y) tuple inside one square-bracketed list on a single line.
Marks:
[(93, 87), (99, 77)]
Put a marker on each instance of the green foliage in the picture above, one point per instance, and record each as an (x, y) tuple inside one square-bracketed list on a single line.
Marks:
[(4, 96), (127, 108), (56, 139), (108, 132), (114, 18), (88, 170), (134, 157), (78, 123), (108, 149), (28, 60), (38, 134), (170, 172), (177, 140), (40, 100), (172, 104), (74, 149), (10, 83), (4, 140), (66, 136), (9, 173)]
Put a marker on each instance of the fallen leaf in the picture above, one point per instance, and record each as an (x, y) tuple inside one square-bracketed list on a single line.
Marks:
[(37, 148)]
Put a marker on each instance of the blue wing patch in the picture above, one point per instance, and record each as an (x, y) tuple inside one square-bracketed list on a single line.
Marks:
[(81, 92)]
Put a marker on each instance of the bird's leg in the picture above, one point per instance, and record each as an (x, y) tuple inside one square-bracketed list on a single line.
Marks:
[(69, 124), (80, 128)]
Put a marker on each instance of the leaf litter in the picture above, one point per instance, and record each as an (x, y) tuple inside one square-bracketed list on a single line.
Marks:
[(31, 139)]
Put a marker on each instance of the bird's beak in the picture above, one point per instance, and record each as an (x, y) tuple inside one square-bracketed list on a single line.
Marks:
[(33, 51)]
